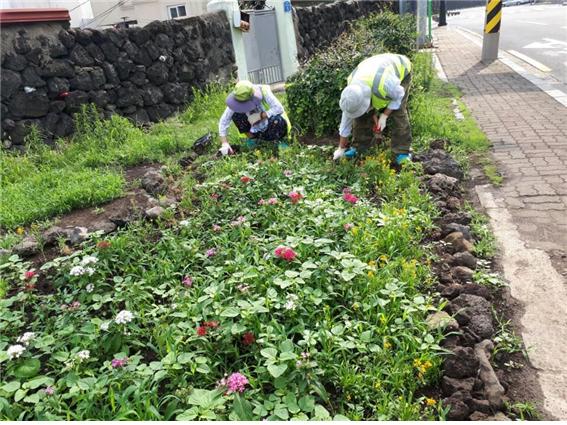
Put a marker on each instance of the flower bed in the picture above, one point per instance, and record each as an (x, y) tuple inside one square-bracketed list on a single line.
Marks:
[(297, 289)]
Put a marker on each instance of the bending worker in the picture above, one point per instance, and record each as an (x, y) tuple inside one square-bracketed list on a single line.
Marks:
[(377, 90), (257, 114)]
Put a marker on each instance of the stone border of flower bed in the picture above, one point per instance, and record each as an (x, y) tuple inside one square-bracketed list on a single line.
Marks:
[(469, 384)]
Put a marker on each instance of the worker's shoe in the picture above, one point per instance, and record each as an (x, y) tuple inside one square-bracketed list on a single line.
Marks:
[(403, 157), (350, 153), (283, 145)]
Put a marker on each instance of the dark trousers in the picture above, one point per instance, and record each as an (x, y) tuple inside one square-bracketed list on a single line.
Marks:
[(276, 130), (363, 137)]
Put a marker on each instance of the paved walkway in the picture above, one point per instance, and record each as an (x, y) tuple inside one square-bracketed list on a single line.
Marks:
[(528, 130)]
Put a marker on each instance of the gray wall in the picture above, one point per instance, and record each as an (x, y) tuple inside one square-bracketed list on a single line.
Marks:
[(145, 74), (318, 25)]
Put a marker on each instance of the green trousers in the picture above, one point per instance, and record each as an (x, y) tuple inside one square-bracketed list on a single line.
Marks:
[(363, 137)]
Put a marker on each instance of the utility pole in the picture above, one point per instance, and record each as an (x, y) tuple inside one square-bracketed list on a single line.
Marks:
[(421, 23), (491, 31), (442, 13)]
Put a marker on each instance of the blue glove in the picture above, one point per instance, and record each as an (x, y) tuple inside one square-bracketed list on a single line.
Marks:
[(350, 153), (250, 143), (403, 157)]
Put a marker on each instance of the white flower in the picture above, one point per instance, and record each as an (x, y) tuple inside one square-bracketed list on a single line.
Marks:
[(26, 338), (290, 303), (15, 351), (89, 270), (77, 271), (104, 326), (184, 223), (89, 259), (83, 355), (90, 288), (123, 317)]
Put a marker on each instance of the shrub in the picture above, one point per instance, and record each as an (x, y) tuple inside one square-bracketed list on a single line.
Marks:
[(313, 93)]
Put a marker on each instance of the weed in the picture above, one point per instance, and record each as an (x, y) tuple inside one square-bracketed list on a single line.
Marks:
[(506, 341), (485, 278), (485, 245), (526, 411)]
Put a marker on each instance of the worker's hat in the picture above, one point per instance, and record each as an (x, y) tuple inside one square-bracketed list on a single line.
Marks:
[(244, 98), (355, 99)]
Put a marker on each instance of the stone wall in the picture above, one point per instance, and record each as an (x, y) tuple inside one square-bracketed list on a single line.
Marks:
[(317, 26), (145, 74)]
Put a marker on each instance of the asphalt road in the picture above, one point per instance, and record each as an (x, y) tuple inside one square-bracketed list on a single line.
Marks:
[(537, 31)]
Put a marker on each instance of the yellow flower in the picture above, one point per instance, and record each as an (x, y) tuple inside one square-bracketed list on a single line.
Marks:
[(430, 401), (417, 363), (383, 258), (372, 263), (387, 345), (377, 385), (427, 364), (20, 230), (354, 231), (383, 319), (370, 273), (348, 397), (355, 306)]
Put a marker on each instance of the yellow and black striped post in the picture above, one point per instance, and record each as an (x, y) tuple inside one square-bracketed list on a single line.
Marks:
[(491, 30)]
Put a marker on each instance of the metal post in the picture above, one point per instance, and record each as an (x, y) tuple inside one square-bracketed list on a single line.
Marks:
[(421, 23), (491, 30), (442, 13), (429, 17)]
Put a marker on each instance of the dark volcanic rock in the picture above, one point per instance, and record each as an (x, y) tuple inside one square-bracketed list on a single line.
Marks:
[(475, 312), (438, 161), (461, 364)]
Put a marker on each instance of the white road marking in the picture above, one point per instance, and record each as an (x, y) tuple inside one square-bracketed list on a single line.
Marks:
[(550, 43), (531, 61)]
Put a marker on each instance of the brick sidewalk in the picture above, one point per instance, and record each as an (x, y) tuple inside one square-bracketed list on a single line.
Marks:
[(528, 131)]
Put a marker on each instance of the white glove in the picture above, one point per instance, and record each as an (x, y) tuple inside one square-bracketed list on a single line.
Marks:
[(225, 149), (339, 153), (382, 121)]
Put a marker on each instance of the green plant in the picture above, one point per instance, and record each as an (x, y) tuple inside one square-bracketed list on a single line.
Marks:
[(485, 245), (526, 411), (506, 341)]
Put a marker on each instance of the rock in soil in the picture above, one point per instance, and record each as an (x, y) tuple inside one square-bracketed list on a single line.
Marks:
[(153, 182), (441, 183), (154, 212), (476, 289), (453, 203), (498, 417), (475, 313), (452, 291), (104, 226), (480, 406), (493, 391), (464, 258), (452, 385), (438, 161), (27, 247), (462, 273), (51, 235), (4, 252), (455, 217), (462, 363), (478, 416), (456, 227), (459, 409), (78, 235), (458, 243), (441, 320)]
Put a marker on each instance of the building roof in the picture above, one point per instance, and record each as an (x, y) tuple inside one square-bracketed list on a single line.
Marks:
[(12, 16)]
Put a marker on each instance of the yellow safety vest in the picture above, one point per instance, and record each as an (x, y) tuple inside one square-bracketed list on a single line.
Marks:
[(375, 70), (267, 107)]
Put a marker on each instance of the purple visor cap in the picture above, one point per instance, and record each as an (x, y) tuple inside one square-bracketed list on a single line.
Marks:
[(248, 105)]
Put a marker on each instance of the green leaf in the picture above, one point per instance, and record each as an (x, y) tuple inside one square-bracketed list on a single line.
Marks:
[(10, 387), (27, 369), (20, 394), (38, 382), (338, 329), (183, 358), (322, 413), (188, 415), (306, 403), (281, 412), (291, 273), (347, 275), (230, 312), (33, 399), (309, 265), (277, 370), (286, 346), (269, 353), (340, 418), (242, 408), (291, 403)]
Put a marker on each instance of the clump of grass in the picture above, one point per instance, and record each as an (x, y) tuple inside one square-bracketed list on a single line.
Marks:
[(485, 245)]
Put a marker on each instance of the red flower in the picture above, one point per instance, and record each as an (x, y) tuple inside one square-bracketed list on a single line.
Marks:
[(246, 179), (213, 324), (349, 197), (295, 197), (30, 274), (103, 244), (285, 253), (201, 330), (248, 338)]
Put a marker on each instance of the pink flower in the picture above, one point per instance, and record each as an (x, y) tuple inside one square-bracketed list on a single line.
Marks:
[(201, 330), (285, 253), (187, 281), (273, 201), (288, 173), (236, 383), (240, 220), (118, 363), (262, 202), (215, 196), (30, 274), (242, 287), (49, 390), (211, 324), (248, 338), (246, 179), (211, 252), (295, 197), (349, 197), (348, 226), (216, 228)]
